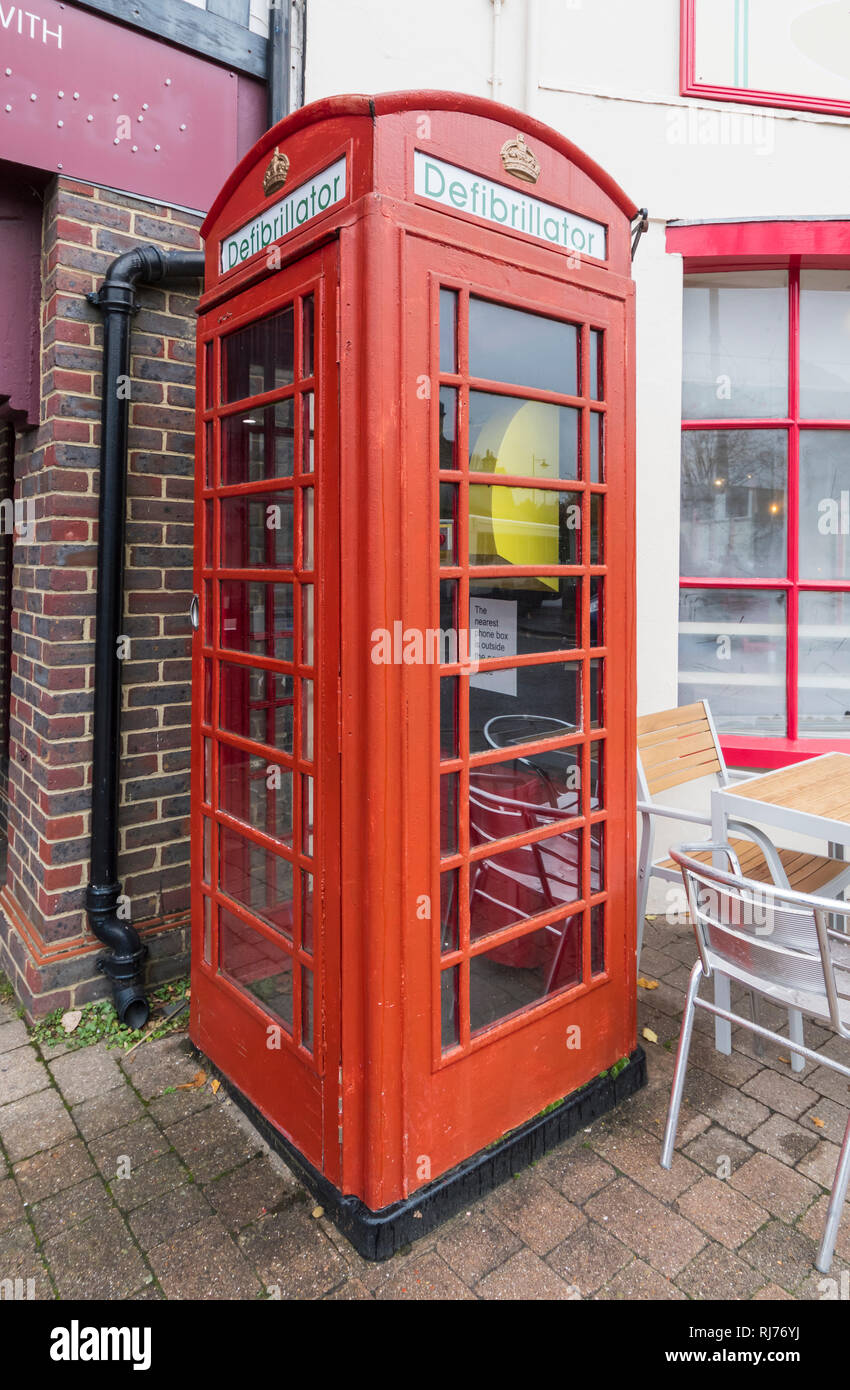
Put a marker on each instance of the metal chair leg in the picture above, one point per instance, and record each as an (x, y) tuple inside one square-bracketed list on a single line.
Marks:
[(754, 1006), (836, 1206), (681, 1067), (795, 1034), (644, 875)]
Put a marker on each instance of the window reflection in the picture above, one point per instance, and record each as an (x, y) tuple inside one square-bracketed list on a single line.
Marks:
[(522, 704), (259, 966), (734, 508), (525, 615), (523, 438), (524, 971), (523, 349), (258, 445), (732, 652), (735, 346), (258, 358), (824, 680), (257, 618), (524, 526), (257, 530), (256, 879)]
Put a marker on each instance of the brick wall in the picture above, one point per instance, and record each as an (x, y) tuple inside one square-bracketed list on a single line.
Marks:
[(45, 946)]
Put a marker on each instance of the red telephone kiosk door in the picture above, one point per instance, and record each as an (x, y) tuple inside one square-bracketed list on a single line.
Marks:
[(265, 993)]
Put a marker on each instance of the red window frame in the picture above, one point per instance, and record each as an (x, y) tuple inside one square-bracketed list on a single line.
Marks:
[(793, 247), (688, 85)]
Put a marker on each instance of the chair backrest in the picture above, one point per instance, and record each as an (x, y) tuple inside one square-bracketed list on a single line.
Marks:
[(678, 746), (770, 939)]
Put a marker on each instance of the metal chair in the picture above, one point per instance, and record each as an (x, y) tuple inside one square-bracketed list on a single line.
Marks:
[(778, 945)]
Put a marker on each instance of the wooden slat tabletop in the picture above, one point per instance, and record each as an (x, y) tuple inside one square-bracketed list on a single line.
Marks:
[(819, 787)]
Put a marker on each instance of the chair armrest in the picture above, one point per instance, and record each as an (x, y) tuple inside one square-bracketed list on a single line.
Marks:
[(767, 847), (649, 808)]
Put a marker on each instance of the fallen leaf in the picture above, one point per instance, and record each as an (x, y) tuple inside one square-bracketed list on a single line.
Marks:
[(317, 1212), (821, 1124), (417, 1216), (197, 1080), (649, 1035), (71, 1019), (786, 1060), (215, 1087), (647, 984)]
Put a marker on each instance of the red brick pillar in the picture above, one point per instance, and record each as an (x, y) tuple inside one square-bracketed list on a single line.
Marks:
[(45, 946)]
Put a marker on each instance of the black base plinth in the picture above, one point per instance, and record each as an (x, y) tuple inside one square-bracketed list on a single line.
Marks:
[(378, 1234)]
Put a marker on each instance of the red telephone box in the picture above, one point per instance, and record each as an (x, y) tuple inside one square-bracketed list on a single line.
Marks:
[(413, 768)]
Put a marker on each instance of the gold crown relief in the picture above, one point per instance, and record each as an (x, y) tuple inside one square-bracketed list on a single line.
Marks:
[(519, 161), (275, 176)]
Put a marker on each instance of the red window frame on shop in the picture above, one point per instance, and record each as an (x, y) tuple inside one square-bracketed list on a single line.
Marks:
[(792, 246), (689, 87)]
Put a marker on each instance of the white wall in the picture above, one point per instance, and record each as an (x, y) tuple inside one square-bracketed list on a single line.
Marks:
[(605, 73)]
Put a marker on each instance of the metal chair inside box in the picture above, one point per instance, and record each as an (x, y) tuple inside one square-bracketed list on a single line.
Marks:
[(779, 945)]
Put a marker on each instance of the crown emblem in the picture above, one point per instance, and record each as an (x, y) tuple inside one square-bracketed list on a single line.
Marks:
[(519, 161), (275, 176)]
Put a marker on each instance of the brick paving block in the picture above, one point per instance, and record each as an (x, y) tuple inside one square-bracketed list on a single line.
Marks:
[(54, 1170), (834, 1118), (19, 1259), (783, 1139), (576, 1170), (830, 1083), (652, 1231), (138, 1143), (147, 1181), (638, 1283), (775, 1186), (638, 1155), (820, 1163), (202, 1262), (718, 1274), (427, 1280), (250, 1192), (97, 1260), (160, 1219), (653, 1117), (783, 1254), (21, 1073), (534, 1211), (173, 1105), (814, 1221), (69, 1208), (288, 1250), (716, 1147), (733, 1068), (12, 1035), (780, 1093), (475, 1242), (11, 1206), (148, 1294), (588, 1258), (525, 1277), (724, 1214), (211, 1143), (90, 1071), (655, 964), (825, 1288), (771, 1293), (37, 1121), (723, 1104), (164, 1062), (102, 1114), (351, 1289)]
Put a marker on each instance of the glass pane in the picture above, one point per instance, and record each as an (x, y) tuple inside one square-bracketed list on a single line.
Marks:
[(258, 445), (597, 939), (597, 450), (255, 791), (449, 801), (306, 910), (255, 878), (732, 653), (528, 792), (307, 509), (735, 344), (308, 411), (524, 971), (257, 965), (307, 1008), (524, 703), (523, 526), (450, 1007), (824, 504), (209, 533), (733, 505), (524, 438), (208, 613), (207, 696), (449, 936), (208, 761), (597, 693), (519, 883), (597, 775), (209, 455), (307, 815), (597, 857), (307, 330), (597, 528), (523, 349), (258, 358), (257, 704), (597, 378), (448, 330), (448, 523), (597, 611), (307, 720), (207, 931), (449, 717), (825, 344), (513, 616), (448, 614), (257, 618), (257, 531), (207, 833), (307, 624), (209, 374), (824, 681), (448, 428)]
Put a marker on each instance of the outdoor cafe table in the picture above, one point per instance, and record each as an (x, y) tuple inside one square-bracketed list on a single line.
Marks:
[(811, 798)]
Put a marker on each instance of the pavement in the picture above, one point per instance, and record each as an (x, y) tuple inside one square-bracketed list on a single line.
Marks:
[(115, 1183)]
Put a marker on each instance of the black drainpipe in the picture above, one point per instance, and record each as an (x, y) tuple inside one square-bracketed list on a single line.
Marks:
[(116, 299)]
